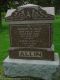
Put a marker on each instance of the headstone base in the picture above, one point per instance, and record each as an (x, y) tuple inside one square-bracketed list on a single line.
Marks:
[(33, 68)]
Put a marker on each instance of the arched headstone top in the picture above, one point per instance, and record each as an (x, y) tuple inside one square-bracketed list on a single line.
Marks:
[(30, 12)]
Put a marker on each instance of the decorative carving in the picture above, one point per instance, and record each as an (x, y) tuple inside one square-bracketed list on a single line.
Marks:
[(30, 14)]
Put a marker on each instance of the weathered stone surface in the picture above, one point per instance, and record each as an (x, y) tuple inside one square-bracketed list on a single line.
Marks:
[(56, 75), (33, 68)]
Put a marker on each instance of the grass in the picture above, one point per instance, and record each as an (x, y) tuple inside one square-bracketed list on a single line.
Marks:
[(4, 41), (56, 34)]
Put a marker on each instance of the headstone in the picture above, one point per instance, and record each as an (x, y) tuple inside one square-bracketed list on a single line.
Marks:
[(31, 33), (31, 38)]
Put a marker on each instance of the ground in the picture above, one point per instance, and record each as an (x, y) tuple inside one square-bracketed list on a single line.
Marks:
[(4, 42)]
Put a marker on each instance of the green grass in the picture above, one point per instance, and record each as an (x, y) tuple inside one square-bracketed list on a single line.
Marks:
[(4, 41), (4, 38), (56, 34)]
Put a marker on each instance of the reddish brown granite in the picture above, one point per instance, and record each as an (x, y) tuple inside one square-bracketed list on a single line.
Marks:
[(29, 38)]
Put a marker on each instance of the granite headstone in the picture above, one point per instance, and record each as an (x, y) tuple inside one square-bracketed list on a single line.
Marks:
[(31, 37), (31, 33)]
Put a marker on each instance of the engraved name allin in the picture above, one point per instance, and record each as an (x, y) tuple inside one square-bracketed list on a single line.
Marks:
[(30, 54)]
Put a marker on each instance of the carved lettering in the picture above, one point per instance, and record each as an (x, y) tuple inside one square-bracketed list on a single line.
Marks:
[(30, 54), (21, 53)]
